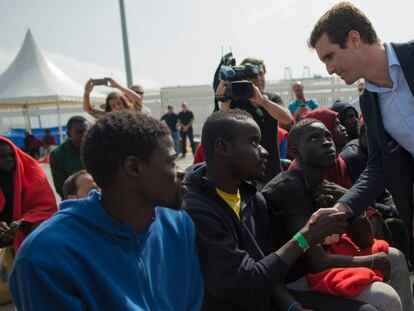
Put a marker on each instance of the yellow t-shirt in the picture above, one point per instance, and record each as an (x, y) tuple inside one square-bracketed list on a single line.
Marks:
[(233, 200)]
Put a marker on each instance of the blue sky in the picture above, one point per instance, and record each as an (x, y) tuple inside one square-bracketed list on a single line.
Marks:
[(179, 42)]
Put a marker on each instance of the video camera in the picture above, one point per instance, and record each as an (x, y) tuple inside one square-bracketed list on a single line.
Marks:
[(235, 77)]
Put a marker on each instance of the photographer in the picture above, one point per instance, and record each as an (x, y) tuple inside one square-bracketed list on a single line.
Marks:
[(127, 99), (264, 111)]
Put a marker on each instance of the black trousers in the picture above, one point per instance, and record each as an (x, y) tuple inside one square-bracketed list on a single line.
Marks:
[(184, 135), (402, 192)]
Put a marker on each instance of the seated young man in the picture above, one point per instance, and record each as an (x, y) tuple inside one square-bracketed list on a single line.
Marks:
[(337, 173), (291, 200), (78, 185), (240, 266), (118, 249), (342, 174), (26, 198)]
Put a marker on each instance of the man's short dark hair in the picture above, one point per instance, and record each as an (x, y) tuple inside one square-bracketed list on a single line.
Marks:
[(69, 187), (338, 21), (254, 61), (116, 136), (298, 129), (75, 119), (221, 125)]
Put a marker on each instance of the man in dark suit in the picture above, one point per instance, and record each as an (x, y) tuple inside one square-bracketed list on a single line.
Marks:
[(346, 42)]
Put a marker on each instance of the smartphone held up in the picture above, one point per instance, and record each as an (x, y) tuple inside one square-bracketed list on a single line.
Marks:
[(100, 82)]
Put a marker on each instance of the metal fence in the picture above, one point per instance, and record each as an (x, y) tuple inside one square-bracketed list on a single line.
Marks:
[(200, 100)]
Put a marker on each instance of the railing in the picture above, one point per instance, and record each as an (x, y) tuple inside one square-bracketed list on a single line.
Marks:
[(200, 100)]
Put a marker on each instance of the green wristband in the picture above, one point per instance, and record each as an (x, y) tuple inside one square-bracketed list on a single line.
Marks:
[(303, 244)]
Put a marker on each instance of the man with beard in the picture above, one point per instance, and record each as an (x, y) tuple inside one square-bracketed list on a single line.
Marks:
[(118, 249)]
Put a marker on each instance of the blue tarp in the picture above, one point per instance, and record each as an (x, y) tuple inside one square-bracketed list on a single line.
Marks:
[(17, 135)]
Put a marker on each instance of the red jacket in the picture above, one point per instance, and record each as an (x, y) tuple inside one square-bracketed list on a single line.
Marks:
[(198, 155), (33, 199), (347, 282)]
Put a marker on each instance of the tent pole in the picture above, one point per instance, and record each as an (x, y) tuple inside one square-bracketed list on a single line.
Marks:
[(26, 118), (60, 122), (126, 46), (39, 119)]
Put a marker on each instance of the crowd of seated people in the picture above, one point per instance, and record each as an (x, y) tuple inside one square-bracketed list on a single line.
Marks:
[(233, 241), (249, 250), (294, 195)]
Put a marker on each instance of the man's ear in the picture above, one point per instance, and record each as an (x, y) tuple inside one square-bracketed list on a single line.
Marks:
[(354, 39), (132, 166), (222, 147)]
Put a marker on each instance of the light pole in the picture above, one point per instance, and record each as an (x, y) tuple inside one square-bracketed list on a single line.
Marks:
[(126, 46)]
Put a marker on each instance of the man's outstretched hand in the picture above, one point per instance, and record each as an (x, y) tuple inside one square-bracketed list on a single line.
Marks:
[(330, 225), (337, 208)]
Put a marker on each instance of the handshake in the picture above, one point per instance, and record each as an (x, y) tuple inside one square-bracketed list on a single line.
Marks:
[(326, 196), (326, 229)]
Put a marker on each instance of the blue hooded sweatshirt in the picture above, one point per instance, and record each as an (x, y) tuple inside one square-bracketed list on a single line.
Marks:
[(82, 259)]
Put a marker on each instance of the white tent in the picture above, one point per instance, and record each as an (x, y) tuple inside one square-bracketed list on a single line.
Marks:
[(32, 80)]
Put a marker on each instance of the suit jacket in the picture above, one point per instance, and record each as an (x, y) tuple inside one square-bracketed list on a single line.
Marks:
[(389, 165)]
